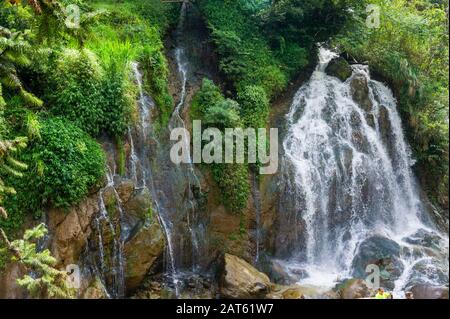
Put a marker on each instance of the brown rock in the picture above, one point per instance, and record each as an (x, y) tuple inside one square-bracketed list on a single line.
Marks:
[(125, 189), (424, 291), (354, 289), (71, 229), (140, 204), (141, 253), (96, 290), (242, 280), (9, 289)]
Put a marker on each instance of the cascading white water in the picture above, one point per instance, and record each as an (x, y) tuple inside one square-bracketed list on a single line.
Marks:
[(140, 166), (352, 173)]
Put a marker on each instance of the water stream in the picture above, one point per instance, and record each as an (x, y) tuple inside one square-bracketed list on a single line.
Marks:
[(351, 180)]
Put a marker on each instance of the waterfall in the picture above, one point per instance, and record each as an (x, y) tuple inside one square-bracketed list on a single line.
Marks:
[(348, 172), (140, 165), (177, 120)]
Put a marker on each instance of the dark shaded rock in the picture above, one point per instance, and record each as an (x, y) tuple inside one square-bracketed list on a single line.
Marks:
[(340, 68), (384, 124), (359, 90), (279, 274), (384, 253), (425, 239), (424, 291)]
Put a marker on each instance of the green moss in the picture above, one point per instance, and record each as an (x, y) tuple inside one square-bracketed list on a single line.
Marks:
[(121, 157)]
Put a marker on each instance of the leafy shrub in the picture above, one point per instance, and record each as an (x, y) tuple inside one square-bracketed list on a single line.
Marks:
[(125, 37), (213, 109), (82, 91), (64, 165), (254, 106), (233, 181)]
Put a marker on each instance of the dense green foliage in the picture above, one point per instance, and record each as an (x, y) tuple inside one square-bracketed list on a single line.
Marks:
[(83, 77), (245, 56), (132, 32), (61, 88), (65, 163), (410, 50), (83, 92), (214, 110)]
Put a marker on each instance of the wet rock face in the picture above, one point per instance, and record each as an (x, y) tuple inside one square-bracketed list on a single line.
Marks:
[(339, 67), (141, 253), (139, 205), (240, 280), (279, 274), (70, 230), (96, 290), (382, 252), (144, 239), (359, 90), (425, 291), (353, 289)]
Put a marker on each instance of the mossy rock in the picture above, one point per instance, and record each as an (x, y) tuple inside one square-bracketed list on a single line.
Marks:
[(340, 68)]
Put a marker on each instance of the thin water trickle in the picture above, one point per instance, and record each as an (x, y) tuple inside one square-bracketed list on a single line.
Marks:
[(257, 204), (177, 121), (117, 267)]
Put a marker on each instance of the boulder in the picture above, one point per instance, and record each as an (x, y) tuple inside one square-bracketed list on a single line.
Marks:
[(96, 290), (353, 289), (340, 68), (240, 280), (380, 251), (142, 252), (301, 292), (71, 229), (279, 274), (293, 293), (425, 238), (426, 291)]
